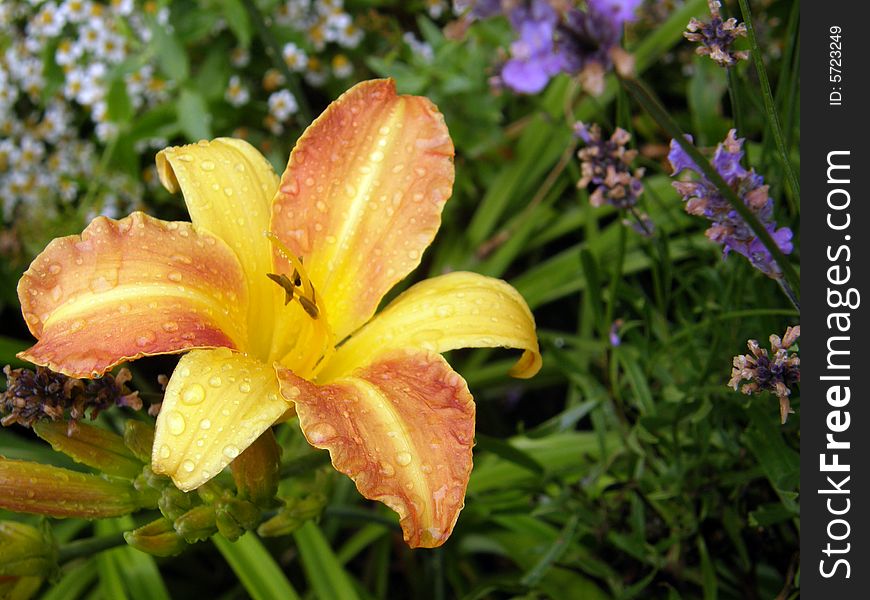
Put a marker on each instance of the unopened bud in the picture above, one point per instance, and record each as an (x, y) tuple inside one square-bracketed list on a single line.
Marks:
[(46, 490), (296, 512), (26, 550), (139, 438), (255, 470), (197, 524), (234, 517), (92, 446), (158, 538)]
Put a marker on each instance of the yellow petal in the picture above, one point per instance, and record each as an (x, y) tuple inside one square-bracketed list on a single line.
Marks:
[(228, 187), (362, 195), (216, 404), (457, 310), (131, 288), (402, 428)]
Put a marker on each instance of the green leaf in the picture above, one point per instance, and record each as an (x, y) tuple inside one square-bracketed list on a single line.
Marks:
[(508, 452), (325, 574), (171, 55), (118, 102), (238, 20), (256, 569), (74, 582), (193, 115)]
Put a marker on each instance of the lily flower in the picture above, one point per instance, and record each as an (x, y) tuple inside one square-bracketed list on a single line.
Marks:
[(272, 292)]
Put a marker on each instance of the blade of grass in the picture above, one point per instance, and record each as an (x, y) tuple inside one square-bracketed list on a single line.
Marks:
[(770, 109), (256, 569), (327, 577)]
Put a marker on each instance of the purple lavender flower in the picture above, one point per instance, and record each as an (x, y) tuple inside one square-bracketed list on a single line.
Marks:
[(729, 229), (535, 56), (567, 40), (769, 373), (606, 164), (717, 37)]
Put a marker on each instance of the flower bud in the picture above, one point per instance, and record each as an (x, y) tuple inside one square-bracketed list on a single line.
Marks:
[(139, 438), (46, 490), (26, 550), (295, 513), (92, 446), (197, 524), (234, 517), (255, 470), (158, 538)]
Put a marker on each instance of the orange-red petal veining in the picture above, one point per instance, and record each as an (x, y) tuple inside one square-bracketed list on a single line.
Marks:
[(402, 428), (129, 288), (362, 195)]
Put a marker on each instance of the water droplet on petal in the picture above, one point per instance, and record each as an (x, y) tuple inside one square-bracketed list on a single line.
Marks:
[(387, 469), (320, 433), (215, 381), (145, 338), (231, 451), (54, 268), (165, 451), (205, 424), (228, 191), (170, 326), (175, 422), (206, 165), (244, 388), (188, 466), (193, 394), (403, 458)]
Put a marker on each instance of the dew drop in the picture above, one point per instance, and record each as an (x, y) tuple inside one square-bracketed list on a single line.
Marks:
[(175, 422), (205, 424), (165, 451), (193, 394), (387, 469), (56, 293), (174, 276), (403, 458), (188, 466), (244, 388), (215, 381), (145, 339), (54, 268), (170, 326), (206, 165), (231, 451), (184, 372), (228, 191), (320, 432), (377, 156)]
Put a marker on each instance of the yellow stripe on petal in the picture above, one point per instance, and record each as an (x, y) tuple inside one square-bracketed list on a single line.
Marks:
[(402, 429), (457, 310), (362, 194), (131, 288), (228, 187), (216, 404)]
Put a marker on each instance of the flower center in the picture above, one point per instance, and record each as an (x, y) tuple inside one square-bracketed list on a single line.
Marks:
[(298, 286)]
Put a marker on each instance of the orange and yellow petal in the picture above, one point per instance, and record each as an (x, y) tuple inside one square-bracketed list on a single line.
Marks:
[(402, 428), (362, 194), (228, 187), (217, 403), (457, 310), (130, 288)]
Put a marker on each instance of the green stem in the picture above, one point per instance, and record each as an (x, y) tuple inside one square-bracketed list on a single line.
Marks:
[(736, 110), (647, 99), (770, 109), (274, 51), (89, 546)]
